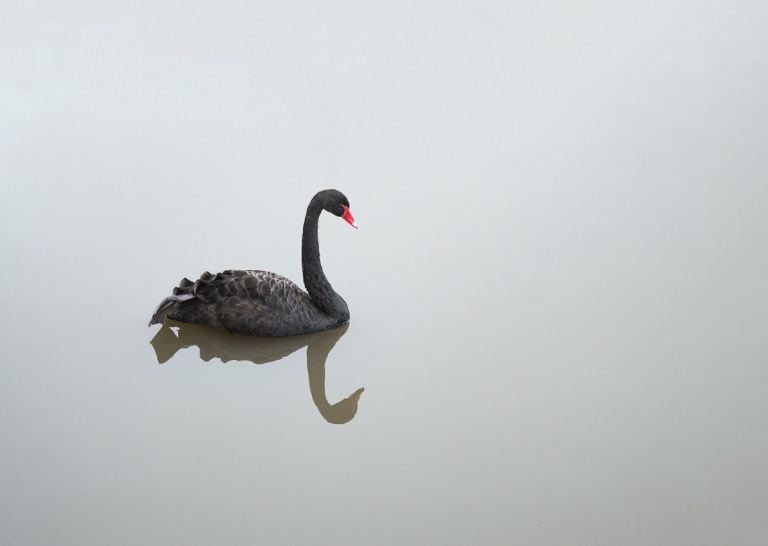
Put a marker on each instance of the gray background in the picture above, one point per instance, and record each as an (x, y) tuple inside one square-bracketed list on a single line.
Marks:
[(559, 288)]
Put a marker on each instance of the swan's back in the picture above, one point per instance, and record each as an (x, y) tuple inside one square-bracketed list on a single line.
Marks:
[(249, 302)]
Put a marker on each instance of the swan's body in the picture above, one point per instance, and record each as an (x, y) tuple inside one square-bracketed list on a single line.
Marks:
[(262, 303)]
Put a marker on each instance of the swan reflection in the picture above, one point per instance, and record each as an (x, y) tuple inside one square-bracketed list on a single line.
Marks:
[(212, 343)]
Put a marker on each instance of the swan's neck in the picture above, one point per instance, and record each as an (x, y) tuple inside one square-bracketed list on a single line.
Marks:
[(320, 290)]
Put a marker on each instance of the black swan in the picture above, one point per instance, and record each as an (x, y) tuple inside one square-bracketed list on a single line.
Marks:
[(262, 303)]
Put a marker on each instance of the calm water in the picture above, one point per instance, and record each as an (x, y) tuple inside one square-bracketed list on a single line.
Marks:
[(558, 288)]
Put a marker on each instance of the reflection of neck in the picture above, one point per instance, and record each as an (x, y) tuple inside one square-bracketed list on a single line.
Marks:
[(316, 370), (317, 354)]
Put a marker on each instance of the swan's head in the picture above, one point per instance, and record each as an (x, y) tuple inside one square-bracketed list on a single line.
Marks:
[(337, 203)]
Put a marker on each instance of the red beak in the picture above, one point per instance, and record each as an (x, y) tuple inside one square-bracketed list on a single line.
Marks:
[(348, 216)]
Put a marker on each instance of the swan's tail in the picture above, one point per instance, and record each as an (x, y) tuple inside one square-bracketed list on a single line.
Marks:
[(161, 313)]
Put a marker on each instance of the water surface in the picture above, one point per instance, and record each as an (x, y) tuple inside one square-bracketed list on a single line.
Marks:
[(558, 287)]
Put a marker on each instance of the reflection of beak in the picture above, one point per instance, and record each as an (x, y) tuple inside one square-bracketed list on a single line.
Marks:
[(355, 396)]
